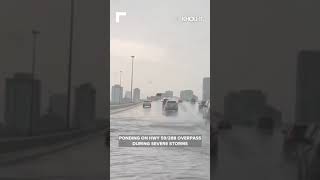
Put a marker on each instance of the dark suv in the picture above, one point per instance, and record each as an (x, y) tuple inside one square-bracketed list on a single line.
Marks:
[(171, 105), (295, 133)]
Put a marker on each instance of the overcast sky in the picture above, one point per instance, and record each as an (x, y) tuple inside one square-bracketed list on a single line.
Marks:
[(170, 54)]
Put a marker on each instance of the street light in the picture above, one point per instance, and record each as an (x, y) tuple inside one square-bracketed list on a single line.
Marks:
[(120, 77), (132, 79), (120, 88), (34, 36), (70, 63)]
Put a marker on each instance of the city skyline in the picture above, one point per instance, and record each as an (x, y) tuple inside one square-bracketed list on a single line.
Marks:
[(205, 90), (52, 20)]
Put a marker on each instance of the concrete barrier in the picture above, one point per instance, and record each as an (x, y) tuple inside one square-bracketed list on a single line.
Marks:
[(19, 143), (11, 158), (119, 106)]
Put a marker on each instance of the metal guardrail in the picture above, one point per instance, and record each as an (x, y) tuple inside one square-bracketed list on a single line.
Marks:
[(18, 143)]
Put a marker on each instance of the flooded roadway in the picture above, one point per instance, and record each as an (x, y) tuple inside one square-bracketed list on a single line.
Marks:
[(244, 153), (159, 162)]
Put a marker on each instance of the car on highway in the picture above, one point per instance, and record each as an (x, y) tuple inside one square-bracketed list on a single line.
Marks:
[(294, 136), (193, 101), (206, 110), (146, 104), (295, 133), (171, 105), (180, 100)]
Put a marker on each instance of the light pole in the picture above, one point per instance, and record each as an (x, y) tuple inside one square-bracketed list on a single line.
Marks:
[(33, 67), (70, 64), (132, 79), (120, 88)]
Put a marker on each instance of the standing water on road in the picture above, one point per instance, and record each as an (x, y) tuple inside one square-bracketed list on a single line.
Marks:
[(159, 162)]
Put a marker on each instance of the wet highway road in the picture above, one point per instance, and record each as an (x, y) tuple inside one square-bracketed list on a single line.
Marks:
[(244, 153), (159, 162)]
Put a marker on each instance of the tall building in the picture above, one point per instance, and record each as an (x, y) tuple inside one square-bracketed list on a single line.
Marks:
[(244, 106), (186, 95), (19, 103), (136, 95), (168, 94), (206, 89), (117, 94), (85, 106), (308, 87)]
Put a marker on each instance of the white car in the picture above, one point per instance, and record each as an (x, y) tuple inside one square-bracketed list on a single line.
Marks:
[(146, 104)]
